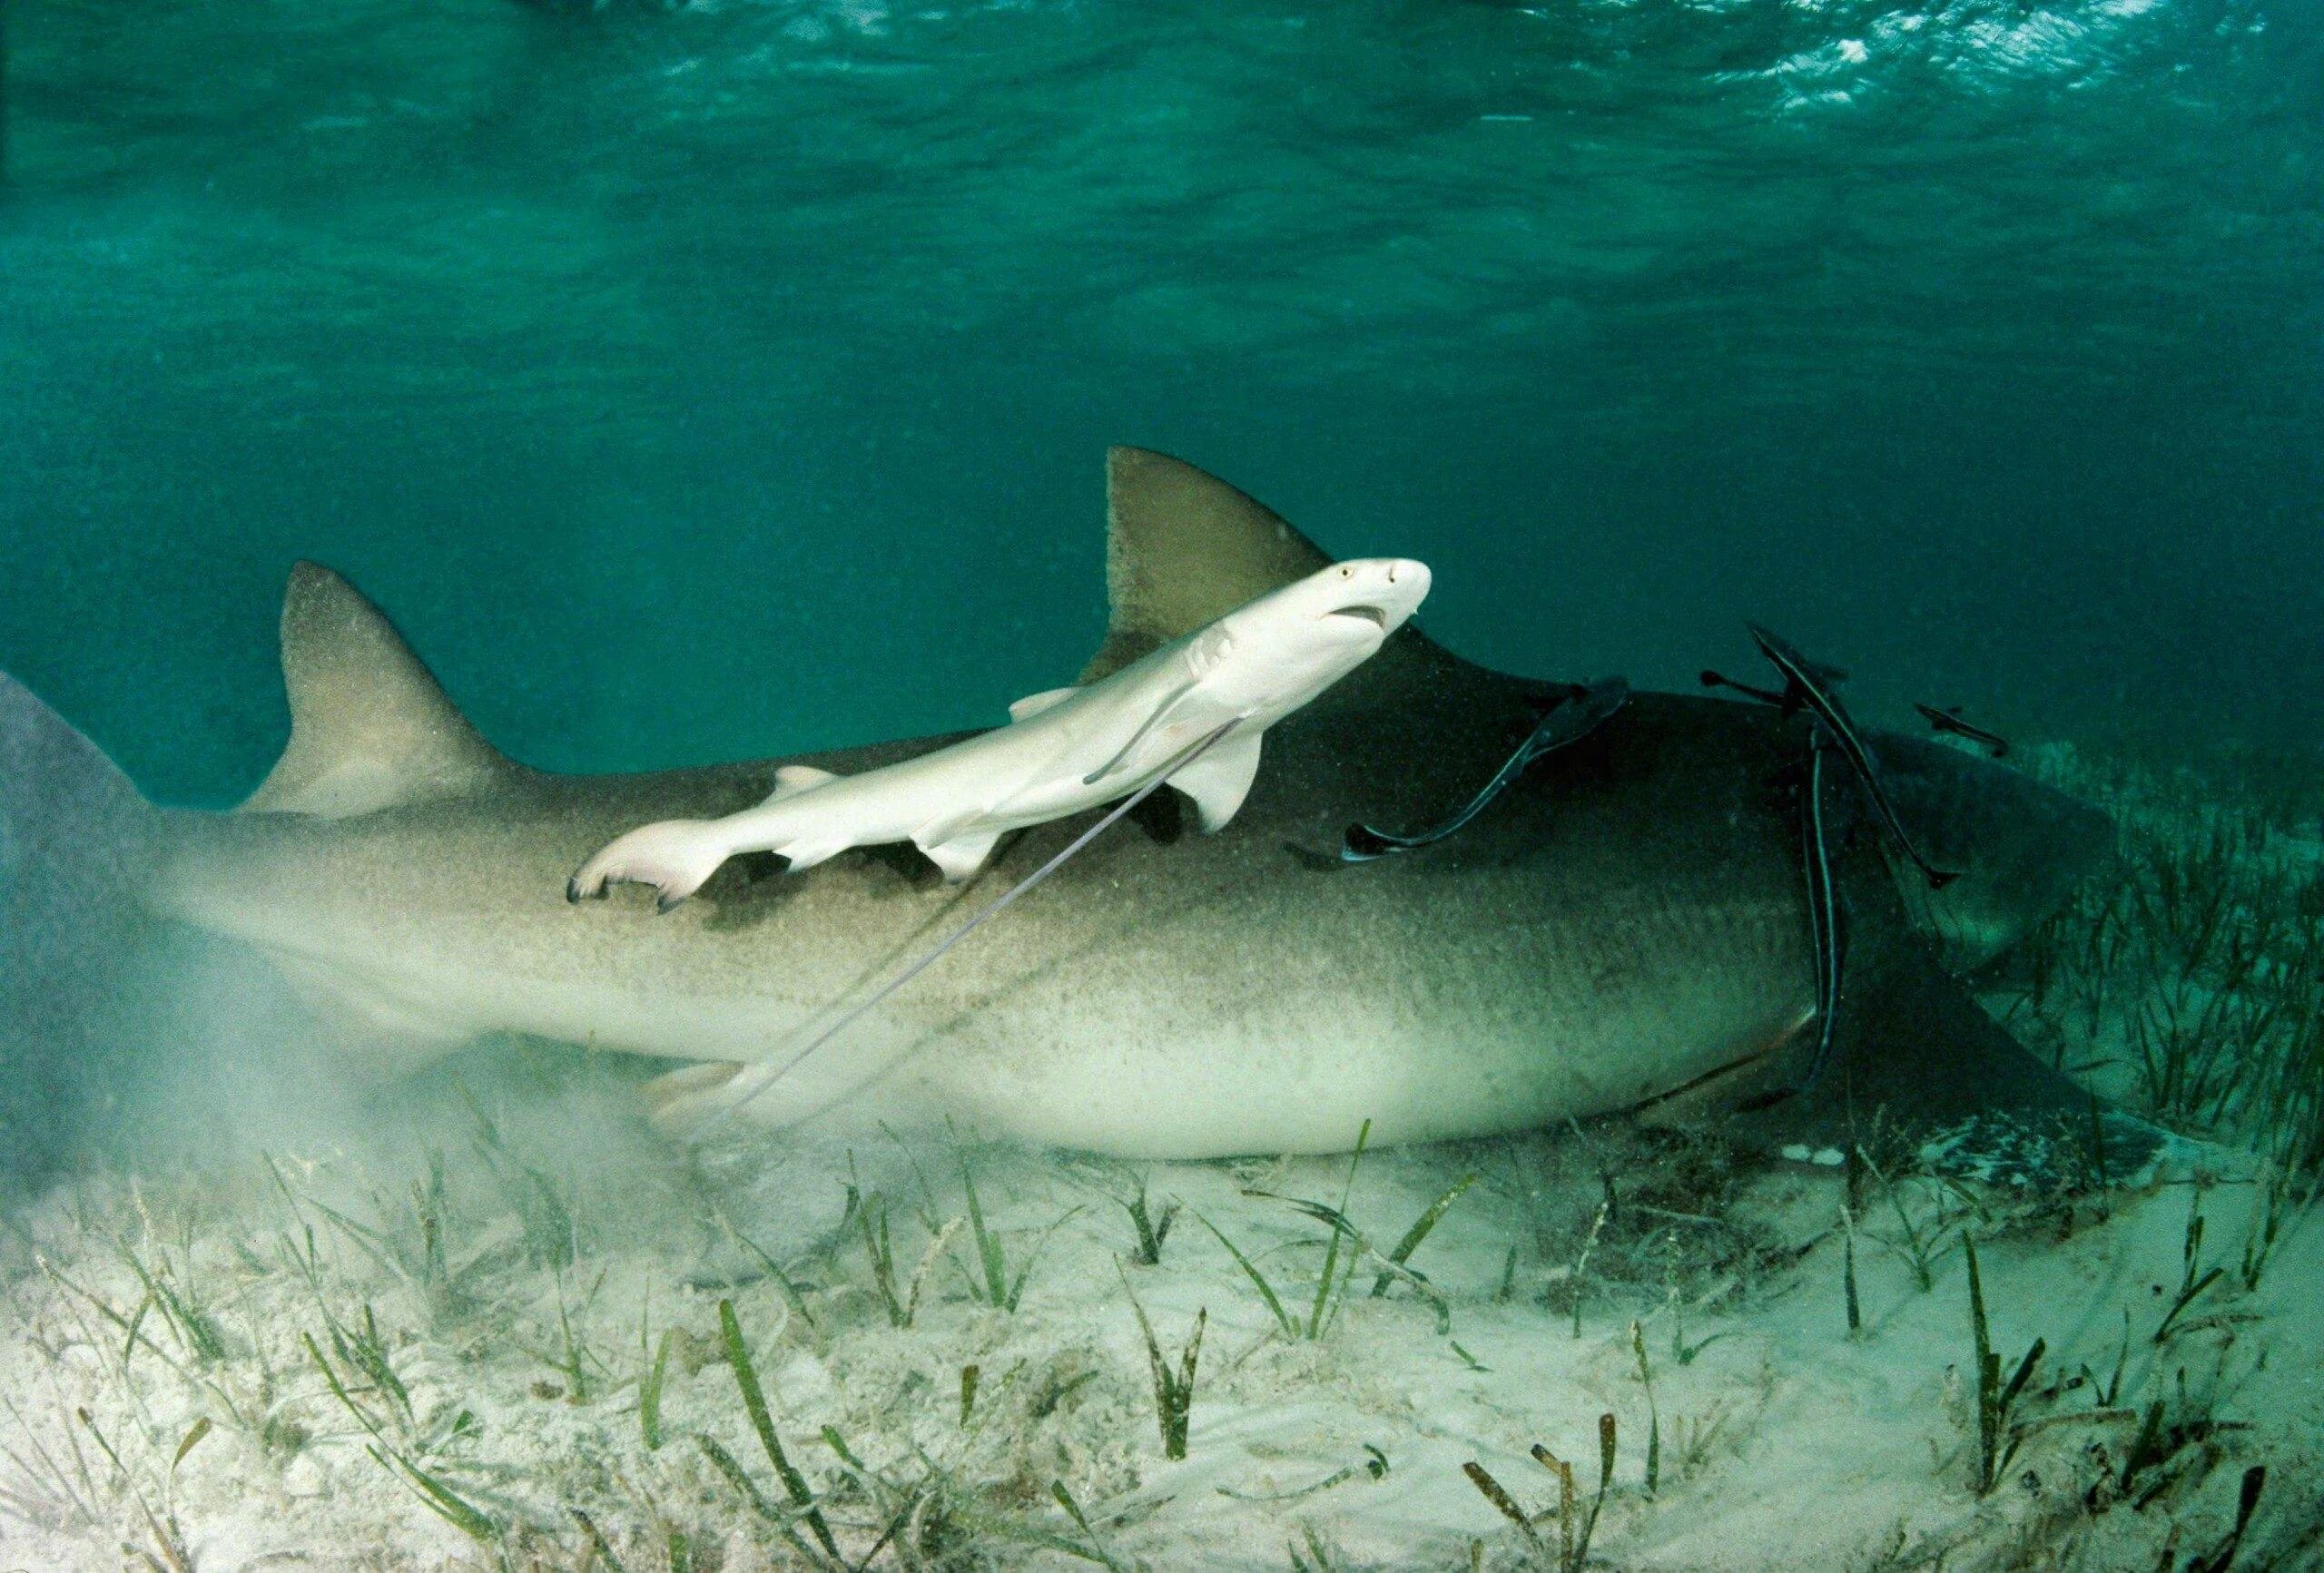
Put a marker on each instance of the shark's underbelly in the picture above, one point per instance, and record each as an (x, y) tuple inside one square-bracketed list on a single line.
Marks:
[(1288, 1074), (1216, 1038)]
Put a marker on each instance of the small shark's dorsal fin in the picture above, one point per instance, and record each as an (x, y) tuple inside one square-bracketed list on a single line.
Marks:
[(370, 728), (791, 780), (1032, 704), (1184, 548)]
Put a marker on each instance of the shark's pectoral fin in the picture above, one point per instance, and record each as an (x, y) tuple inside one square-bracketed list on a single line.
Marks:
[(791, 780), (1032, 704), (370, 728), (962, 857), (1220, 779), (1915, 1056)]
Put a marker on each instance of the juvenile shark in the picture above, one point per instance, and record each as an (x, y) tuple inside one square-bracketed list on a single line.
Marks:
[(1625, 925), (1065, 750)]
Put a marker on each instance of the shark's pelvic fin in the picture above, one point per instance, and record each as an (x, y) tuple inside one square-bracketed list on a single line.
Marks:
[(791, 780), (806, 853), (962, 857), (1032, 704), (1220, 780), (1184, 548), (370, 728)]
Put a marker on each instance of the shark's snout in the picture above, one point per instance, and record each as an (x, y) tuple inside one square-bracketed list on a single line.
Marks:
[(1383, 591)]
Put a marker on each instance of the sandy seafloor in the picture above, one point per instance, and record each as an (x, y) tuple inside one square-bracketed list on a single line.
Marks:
[(189, 1356)]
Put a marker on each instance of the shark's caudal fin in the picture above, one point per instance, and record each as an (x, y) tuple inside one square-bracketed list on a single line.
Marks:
[(1182, 548), (75, 838), (369, 727)]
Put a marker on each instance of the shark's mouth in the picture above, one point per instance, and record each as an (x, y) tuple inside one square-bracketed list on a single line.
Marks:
[(1371, 615)]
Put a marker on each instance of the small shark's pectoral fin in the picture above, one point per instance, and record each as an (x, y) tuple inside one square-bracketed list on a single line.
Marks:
[(1032, 704), (963, 856), (1221, 779), (791, 780)]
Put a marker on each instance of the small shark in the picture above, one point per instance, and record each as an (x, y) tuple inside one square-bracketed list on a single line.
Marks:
[(1065, 751), (1624, 928)]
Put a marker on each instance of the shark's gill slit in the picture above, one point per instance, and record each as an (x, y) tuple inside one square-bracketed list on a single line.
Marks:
[(1119, 811)]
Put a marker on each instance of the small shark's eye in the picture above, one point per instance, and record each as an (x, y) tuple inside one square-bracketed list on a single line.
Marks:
[(1347, 573)]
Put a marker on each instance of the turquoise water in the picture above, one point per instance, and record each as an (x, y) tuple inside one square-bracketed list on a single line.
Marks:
[(723, 381)]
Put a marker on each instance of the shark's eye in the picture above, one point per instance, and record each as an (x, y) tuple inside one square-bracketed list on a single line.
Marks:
[(1347, 573)]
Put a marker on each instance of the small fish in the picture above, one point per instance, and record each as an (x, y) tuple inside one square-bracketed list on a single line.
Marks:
[(1948, 720), (1574, 715), (1826, 916), (1806, 683), (1785, 702), (1789, 699)]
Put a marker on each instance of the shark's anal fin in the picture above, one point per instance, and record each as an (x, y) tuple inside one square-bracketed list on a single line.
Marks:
[(1221, 779), (962, 857), (369, 727), (791, 780), (1032, 704)]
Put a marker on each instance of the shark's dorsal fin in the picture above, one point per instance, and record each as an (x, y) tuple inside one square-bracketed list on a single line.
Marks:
[(370, 728), (1184, 548), (791, 780)]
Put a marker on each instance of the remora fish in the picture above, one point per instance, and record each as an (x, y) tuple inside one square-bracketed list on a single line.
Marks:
[(1064, 750), (1627, 922)]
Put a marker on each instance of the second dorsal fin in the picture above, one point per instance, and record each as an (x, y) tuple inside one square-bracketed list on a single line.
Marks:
[(369, 727), (1184, 548)]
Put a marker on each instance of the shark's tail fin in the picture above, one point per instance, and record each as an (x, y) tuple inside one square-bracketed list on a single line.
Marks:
[(75, 841)]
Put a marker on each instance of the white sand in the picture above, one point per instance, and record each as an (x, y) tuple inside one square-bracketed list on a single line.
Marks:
[(1784, 1443)]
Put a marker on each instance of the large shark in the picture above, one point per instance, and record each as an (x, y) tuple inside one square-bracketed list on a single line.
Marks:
[(1627, 927)]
